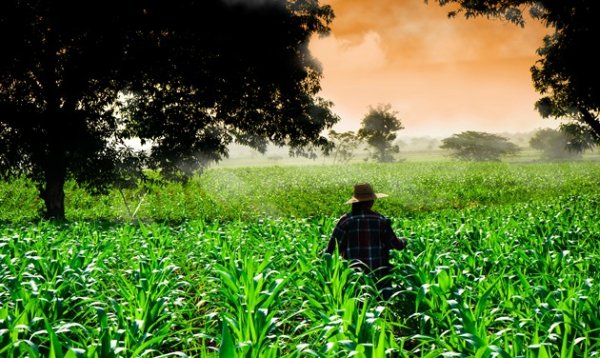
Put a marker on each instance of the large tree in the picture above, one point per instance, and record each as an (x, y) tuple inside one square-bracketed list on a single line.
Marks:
[(80, 78), (567, 73), (378, 129), (479, 146)]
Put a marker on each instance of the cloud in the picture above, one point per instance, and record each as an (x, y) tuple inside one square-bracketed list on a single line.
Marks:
[(363, 55), (415, 32)]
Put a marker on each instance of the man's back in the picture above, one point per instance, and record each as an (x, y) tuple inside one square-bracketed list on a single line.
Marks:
[(364, 236)]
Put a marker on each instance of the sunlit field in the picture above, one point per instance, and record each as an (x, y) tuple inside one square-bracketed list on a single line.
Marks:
[(503, 260)]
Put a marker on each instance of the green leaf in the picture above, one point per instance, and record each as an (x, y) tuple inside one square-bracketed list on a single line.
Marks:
[(227, 348)]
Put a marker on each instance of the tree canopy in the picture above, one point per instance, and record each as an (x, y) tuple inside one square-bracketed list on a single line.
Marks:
[(567, 74), (186, 78), (479, 146), (378, 129), (554, 144)]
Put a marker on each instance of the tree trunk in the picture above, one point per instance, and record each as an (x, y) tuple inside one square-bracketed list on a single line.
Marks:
[(591, 121), (53, 193), (55, 171)]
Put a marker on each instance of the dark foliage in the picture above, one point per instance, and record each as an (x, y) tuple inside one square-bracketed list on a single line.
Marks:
[(79, 79)]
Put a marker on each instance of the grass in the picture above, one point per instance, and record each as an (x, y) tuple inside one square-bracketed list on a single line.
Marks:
[(307, 191), (502, 261)]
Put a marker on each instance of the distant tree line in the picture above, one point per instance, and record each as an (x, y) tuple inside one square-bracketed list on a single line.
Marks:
[(554, 144)]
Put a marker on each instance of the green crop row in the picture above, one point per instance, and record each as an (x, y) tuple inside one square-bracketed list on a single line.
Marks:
[(517, 279), (503, 261)]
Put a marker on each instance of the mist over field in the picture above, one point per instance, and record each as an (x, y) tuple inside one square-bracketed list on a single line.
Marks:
[(412, 148)]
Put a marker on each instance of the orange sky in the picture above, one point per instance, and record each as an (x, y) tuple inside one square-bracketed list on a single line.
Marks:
[(442, 75)]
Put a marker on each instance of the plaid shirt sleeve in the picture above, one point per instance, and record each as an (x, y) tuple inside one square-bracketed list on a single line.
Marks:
[(394, 241), (336, 237)]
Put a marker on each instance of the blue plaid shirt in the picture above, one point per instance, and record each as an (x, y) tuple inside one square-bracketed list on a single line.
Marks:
[(365, 237)]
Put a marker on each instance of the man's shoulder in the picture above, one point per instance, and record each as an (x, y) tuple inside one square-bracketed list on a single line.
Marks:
[(344, 218), (374, 214), (379, 215), (363, 215)]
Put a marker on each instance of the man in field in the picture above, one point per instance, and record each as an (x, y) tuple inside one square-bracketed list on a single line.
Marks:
[(366, 237)]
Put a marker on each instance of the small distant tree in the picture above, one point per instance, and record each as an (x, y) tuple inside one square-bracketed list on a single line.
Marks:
[(554, 144), (479, 146), (344, 145), (378, 129)]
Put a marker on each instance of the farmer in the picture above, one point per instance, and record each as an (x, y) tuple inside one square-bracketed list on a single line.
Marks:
[(366, 237)]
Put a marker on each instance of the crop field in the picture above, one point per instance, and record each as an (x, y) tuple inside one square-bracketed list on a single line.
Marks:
[(503, 261)]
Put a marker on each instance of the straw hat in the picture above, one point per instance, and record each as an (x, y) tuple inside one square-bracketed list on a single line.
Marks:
[(364, 192)]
